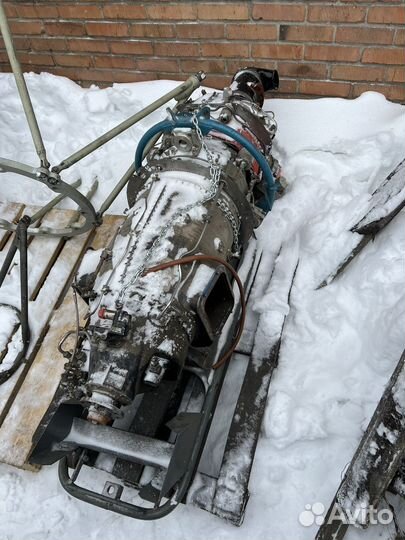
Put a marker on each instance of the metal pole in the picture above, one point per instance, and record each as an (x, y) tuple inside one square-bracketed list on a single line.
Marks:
[(180, 92), (21, 233), (117, 190), (8, 260), (22, 88)]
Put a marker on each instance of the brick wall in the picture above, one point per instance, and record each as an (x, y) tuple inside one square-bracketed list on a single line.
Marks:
[(339, 48)]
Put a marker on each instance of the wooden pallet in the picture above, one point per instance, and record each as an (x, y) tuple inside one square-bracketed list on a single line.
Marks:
[(52, 263)]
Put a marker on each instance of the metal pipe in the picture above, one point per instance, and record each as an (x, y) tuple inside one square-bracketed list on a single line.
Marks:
[(129, 446), (117, 190), (21, 233), (181, 92), (8, 260), (22, 88)]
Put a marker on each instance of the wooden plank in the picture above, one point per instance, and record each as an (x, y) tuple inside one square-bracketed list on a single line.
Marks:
[(41, 309), (38, 388), (377, 460), (21, 412), (106, 231), (10, 212), (9, 236), (44, 250)]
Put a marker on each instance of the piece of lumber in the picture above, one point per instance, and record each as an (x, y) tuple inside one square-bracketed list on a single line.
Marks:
[(25, 398), (10, 212), (38, 387), (41, 309)]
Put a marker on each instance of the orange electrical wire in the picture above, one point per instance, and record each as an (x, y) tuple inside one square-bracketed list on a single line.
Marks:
[(193, 258)]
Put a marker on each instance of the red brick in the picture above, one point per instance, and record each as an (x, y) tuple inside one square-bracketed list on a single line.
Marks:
[(209, 66), (131, 47), (235, 65), (399, 37), (285, 51), (394, 92), (158, 64), (324, 88), (169, 48), (97, 75), (130, 76), (80, 11), (168, 76), (353, 34), (64, 29), (124, 11), (36, 59), (173, 12), (319, 13), (25, 27), (107, 29), (225, 12), (306, 33), (332, 53), (386, 15), (396, 74), (217, 81), (358, 73), (152, 30), (279, 12), (10, 9), (88, 45), (369, 2), (49, 44), (75, 60), (20, 43), (225, 50), (114, 62), (287, 86), (252, 31), (27, 12), (301, 70), (383, 56), (200, 30), (33, 12)]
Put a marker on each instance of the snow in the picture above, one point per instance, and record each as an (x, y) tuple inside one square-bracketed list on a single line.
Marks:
[(8, 320), (341, 343)]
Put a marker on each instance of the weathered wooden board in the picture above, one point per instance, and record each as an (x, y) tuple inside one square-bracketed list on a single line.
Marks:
[(52, 263), (10, 212), (60, 271), (38, 387)]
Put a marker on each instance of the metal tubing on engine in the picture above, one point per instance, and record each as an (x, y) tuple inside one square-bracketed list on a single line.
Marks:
[(181, 92), (22, 88)]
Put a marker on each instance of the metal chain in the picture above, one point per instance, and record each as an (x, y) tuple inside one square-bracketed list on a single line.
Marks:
[(235, 223), (223, 205), (215, 176)]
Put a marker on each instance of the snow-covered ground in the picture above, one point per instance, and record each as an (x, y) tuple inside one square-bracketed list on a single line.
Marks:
[(341, 342)]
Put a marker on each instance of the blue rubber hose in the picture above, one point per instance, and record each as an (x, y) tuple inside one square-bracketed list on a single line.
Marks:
[(207, 125)]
